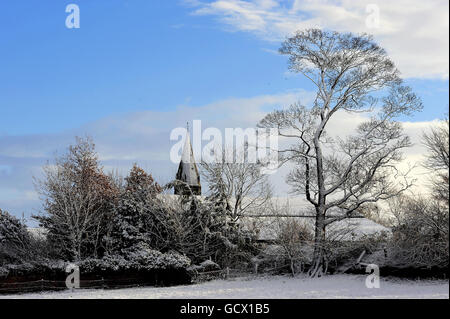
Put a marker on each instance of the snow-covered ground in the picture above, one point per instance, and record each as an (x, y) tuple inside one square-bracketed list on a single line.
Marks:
[(337, 286)]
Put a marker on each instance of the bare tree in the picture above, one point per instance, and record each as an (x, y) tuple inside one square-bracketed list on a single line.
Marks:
[(78, 198), (420, 234), (437, 144), (293, 237), (242, 186), (349, 73)]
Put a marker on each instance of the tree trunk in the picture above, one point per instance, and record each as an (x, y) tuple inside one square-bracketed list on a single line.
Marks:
[(318, 265), (292, 268)]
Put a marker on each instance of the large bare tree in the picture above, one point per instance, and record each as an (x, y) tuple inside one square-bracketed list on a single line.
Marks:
[(78, 199), (350, 73), (437, 144), (241, 185)]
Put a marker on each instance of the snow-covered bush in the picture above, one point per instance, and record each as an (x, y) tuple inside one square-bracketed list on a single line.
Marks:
[(293, 239), (3, 272), (203, 229), (209, 265), (15, 241), (345, 253), (139, 258), (421, 237), (172, 260), (32, 271), (143, 257)]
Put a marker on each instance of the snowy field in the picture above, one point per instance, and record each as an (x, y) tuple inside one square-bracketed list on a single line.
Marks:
[(331, 287)]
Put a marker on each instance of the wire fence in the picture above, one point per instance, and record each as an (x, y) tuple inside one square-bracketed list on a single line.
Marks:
[(43, 285), (60, 285), (230, 273)]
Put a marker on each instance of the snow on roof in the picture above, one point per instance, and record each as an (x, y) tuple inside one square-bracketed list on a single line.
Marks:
[(346, 229), (268, 228)]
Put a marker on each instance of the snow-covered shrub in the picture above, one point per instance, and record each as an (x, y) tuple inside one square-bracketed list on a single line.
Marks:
[(203, 229), (172, 260), (293, 239), (143, 257), (205, 266), (15, 241), (32, 271), (18, 270), (421, 237), (345, 253), (293, 250), (92, 266), (271, 257), (140, 258), (115, 262), (209, 265), (3, 272)]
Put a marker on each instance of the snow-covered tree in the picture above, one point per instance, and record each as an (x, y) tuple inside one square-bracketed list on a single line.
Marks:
[(437, 144), (420, 223), (236, 188), (420, 233), (139, 217), (78, 199), (350, 73), (15, 240), (240, 186)]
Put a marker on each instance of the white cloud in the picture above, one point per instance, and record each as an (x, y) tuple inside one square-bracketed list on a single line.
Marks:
[(414, 32), (144, 138), (141, 137)]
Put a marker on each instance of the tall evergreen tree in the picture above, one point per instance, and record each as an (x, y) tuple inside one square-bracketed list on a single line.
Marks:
[(15, 240), (138, 218)]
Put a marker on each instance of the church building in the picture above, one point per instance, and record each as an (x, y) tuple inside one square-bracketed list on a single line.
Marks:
[(188, 174)]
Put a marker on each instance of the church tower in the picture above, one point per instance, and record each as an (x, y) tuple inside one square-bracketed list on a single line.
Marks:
[(187, 171)]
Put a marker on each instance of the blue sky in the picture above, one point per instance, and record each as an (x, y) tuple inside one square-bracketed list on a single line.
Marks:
[(133, 55), (153, 58), (127, 56)]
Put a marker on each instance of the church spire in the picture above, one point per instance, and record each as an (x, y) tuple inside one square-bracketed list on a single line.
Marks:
[(187, 171)]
